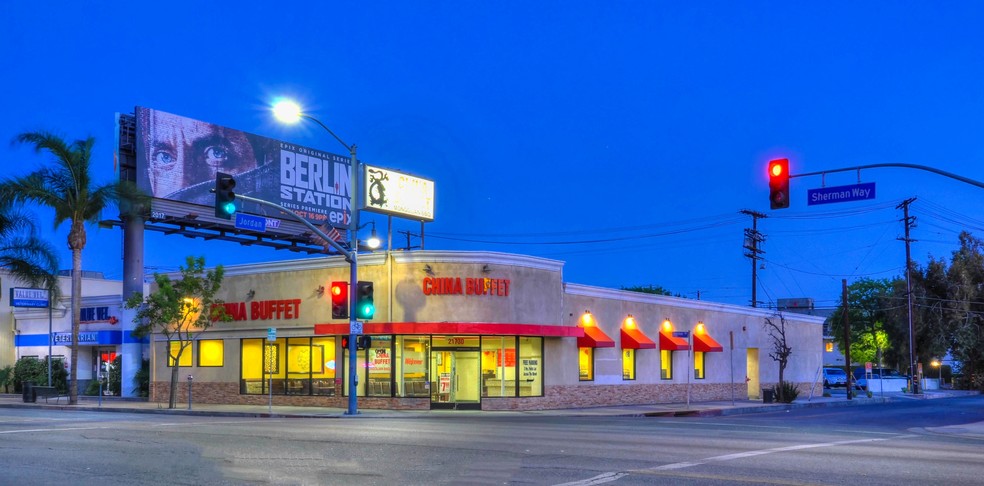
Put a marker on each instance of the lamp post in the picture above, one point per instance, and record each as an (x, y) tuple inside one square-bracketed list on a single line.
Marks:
[(289, 112), (939, 378)]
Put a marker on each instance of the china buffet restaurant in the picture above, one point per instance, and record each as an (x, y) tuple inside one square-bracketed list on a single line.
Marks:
[(476, 330)]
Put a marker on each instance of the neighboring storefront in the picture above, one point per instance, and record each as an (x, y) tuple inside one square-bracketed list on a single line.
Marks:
[(475, 330), (101, 333)]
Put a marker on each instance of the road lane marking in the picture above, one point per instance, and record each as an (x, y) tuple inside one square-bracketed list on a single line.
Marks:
[(21, 431), (760, 452), (614, 476)]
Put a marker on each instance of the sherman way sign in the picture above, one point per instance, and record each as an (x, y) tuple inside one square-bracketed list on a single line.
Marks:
[(827, 195)]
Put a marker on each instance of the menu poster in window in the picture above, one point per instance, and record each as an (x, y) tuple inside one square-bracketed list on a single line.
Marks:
[(413, 362), (531, 368), (510, 358), (380, 362)]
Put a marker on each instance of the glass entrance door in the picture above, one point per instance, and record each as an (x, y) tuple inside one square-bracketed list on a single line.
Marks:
[(455, 380)]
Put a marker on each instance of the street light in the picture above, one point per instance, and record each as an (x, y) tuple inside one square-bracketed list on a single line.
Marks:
[(373, 242), (939, 380), (290, 112)]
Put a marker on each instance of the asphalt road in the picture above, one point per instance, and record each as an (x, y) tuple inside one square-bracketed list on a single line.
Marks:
[(894, 444)]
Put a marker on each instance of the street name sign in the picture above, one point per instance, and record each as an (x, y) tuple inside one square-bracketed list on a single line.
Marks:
[(250, 222), (836, 194)]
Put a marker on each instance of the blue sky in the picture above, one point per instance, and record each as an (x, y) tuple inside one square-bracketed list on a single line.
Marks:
[(620, 137)]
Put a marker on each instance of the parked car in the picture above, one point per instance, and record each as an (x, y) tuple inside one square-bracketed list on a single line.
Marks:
[(834, 377)]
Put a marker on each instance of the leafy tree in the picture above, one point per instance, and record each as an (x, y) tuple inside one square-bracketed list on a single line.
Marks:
[(932, 334), (67, 187), (180, 310), (965, 308), (868, 302), (781, 350), (649, 289)]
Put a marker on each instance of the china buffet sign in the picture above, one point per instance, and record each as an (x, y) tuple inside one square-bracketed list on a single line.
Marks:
[(466, 286)]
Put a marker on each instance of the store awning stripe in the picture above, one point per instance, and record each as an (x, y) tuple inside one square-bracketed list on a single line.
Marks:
[(486, 328), (706, 344), (595, 338), (635, 339), (669, 342)]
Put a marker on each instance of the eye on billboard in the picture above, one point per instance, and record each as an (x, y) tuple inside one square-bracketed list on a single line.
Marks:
[(178, 157)]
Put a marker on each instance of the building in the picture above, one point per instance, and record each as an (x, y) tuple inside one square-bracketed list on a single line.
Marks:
[(24, 331), (476, 330)]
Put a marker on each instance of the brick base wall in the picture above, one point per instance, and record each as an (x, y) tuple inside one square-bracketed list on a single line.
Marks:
[(555, 397)]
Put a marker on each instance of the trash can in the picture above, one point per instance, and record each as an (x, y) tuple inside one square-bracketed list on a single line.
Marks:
[(28, 388), (767, 395)]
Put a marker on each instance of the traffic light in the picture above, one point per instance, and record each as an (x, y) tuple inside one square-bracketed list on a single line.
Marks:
[(779, 183), (225, 199), (364, 307), (362, 341), (339, 300)]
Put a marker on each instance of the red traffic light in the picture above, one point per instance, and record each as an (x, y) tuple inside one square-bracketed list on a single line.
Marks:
[(779, 183), (339, 300)]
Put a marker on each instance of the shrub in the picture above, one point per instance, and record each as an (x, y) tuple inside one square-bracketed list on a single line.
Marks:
[(785, 392), (115, 376), (6, 378), (35, 370), (142, 379)]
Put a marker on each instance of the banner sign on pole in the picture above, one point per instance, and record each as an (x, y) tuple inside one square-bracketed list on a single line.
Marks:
[(21, 297)]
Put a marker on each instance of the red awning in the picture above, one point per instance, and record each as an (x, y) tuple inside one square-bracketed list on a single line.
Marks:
[(706, 344), (669, 342), (595, 338), (473, 328), (635, 339)]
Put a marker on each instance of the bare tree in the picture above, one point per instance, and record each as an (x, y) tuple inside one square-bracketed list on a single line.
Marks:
[(776, 328)]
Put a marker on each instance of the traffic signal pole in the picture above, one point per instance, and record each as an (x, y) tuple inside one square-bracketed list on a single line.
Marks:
[(352, 258)]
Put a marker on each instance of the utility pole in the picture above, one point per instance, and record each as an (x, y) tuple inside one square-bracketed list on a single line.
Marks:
[(909, 222), (752, 241), (847, 341)]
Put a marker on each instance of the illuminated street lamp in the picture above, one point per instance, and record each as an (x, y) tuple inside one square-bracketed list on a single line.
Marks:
[(290, 112), (373, 242), (939, 380)]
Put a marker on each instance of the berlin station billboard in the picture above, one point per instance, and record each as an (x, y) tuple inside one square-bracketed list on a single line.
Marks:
[(177, 159)]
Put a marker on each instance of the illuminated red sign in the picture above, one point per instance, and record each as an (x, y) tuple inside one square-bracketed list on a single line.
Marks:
[(466, 286), (261, 310)]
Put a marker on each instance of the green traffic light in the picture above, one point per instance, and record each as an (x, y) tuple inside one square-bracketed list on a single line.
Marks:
[(229, 208)]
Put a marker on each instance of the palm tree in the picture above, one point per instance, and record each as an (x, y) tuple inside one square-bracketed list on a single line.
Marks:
[(23, 254), (68, 189)]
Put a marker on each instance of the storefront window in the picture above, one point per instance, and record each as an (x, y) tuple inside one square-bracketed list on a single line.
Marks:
[(499, 366), (174, 347), (211, 352), (411, 366), (586, 364), (380, 367), (295, 366), (299, 360), (530, 366), (628, 364), (665, 364), (360, 366), (699, 365)]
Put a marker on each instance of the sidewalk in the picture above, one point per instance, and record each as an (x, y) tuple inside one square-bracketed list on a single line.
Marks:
[(713, 408)]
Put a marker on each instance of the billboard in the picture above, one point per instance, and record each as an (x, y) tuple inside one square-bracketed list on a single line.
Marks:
[(177, 159), (391, 192)]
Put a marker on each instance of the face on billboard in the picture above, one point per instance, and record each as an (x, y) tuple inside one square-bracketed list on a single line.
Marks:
[(181, 152), (177, 159)]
